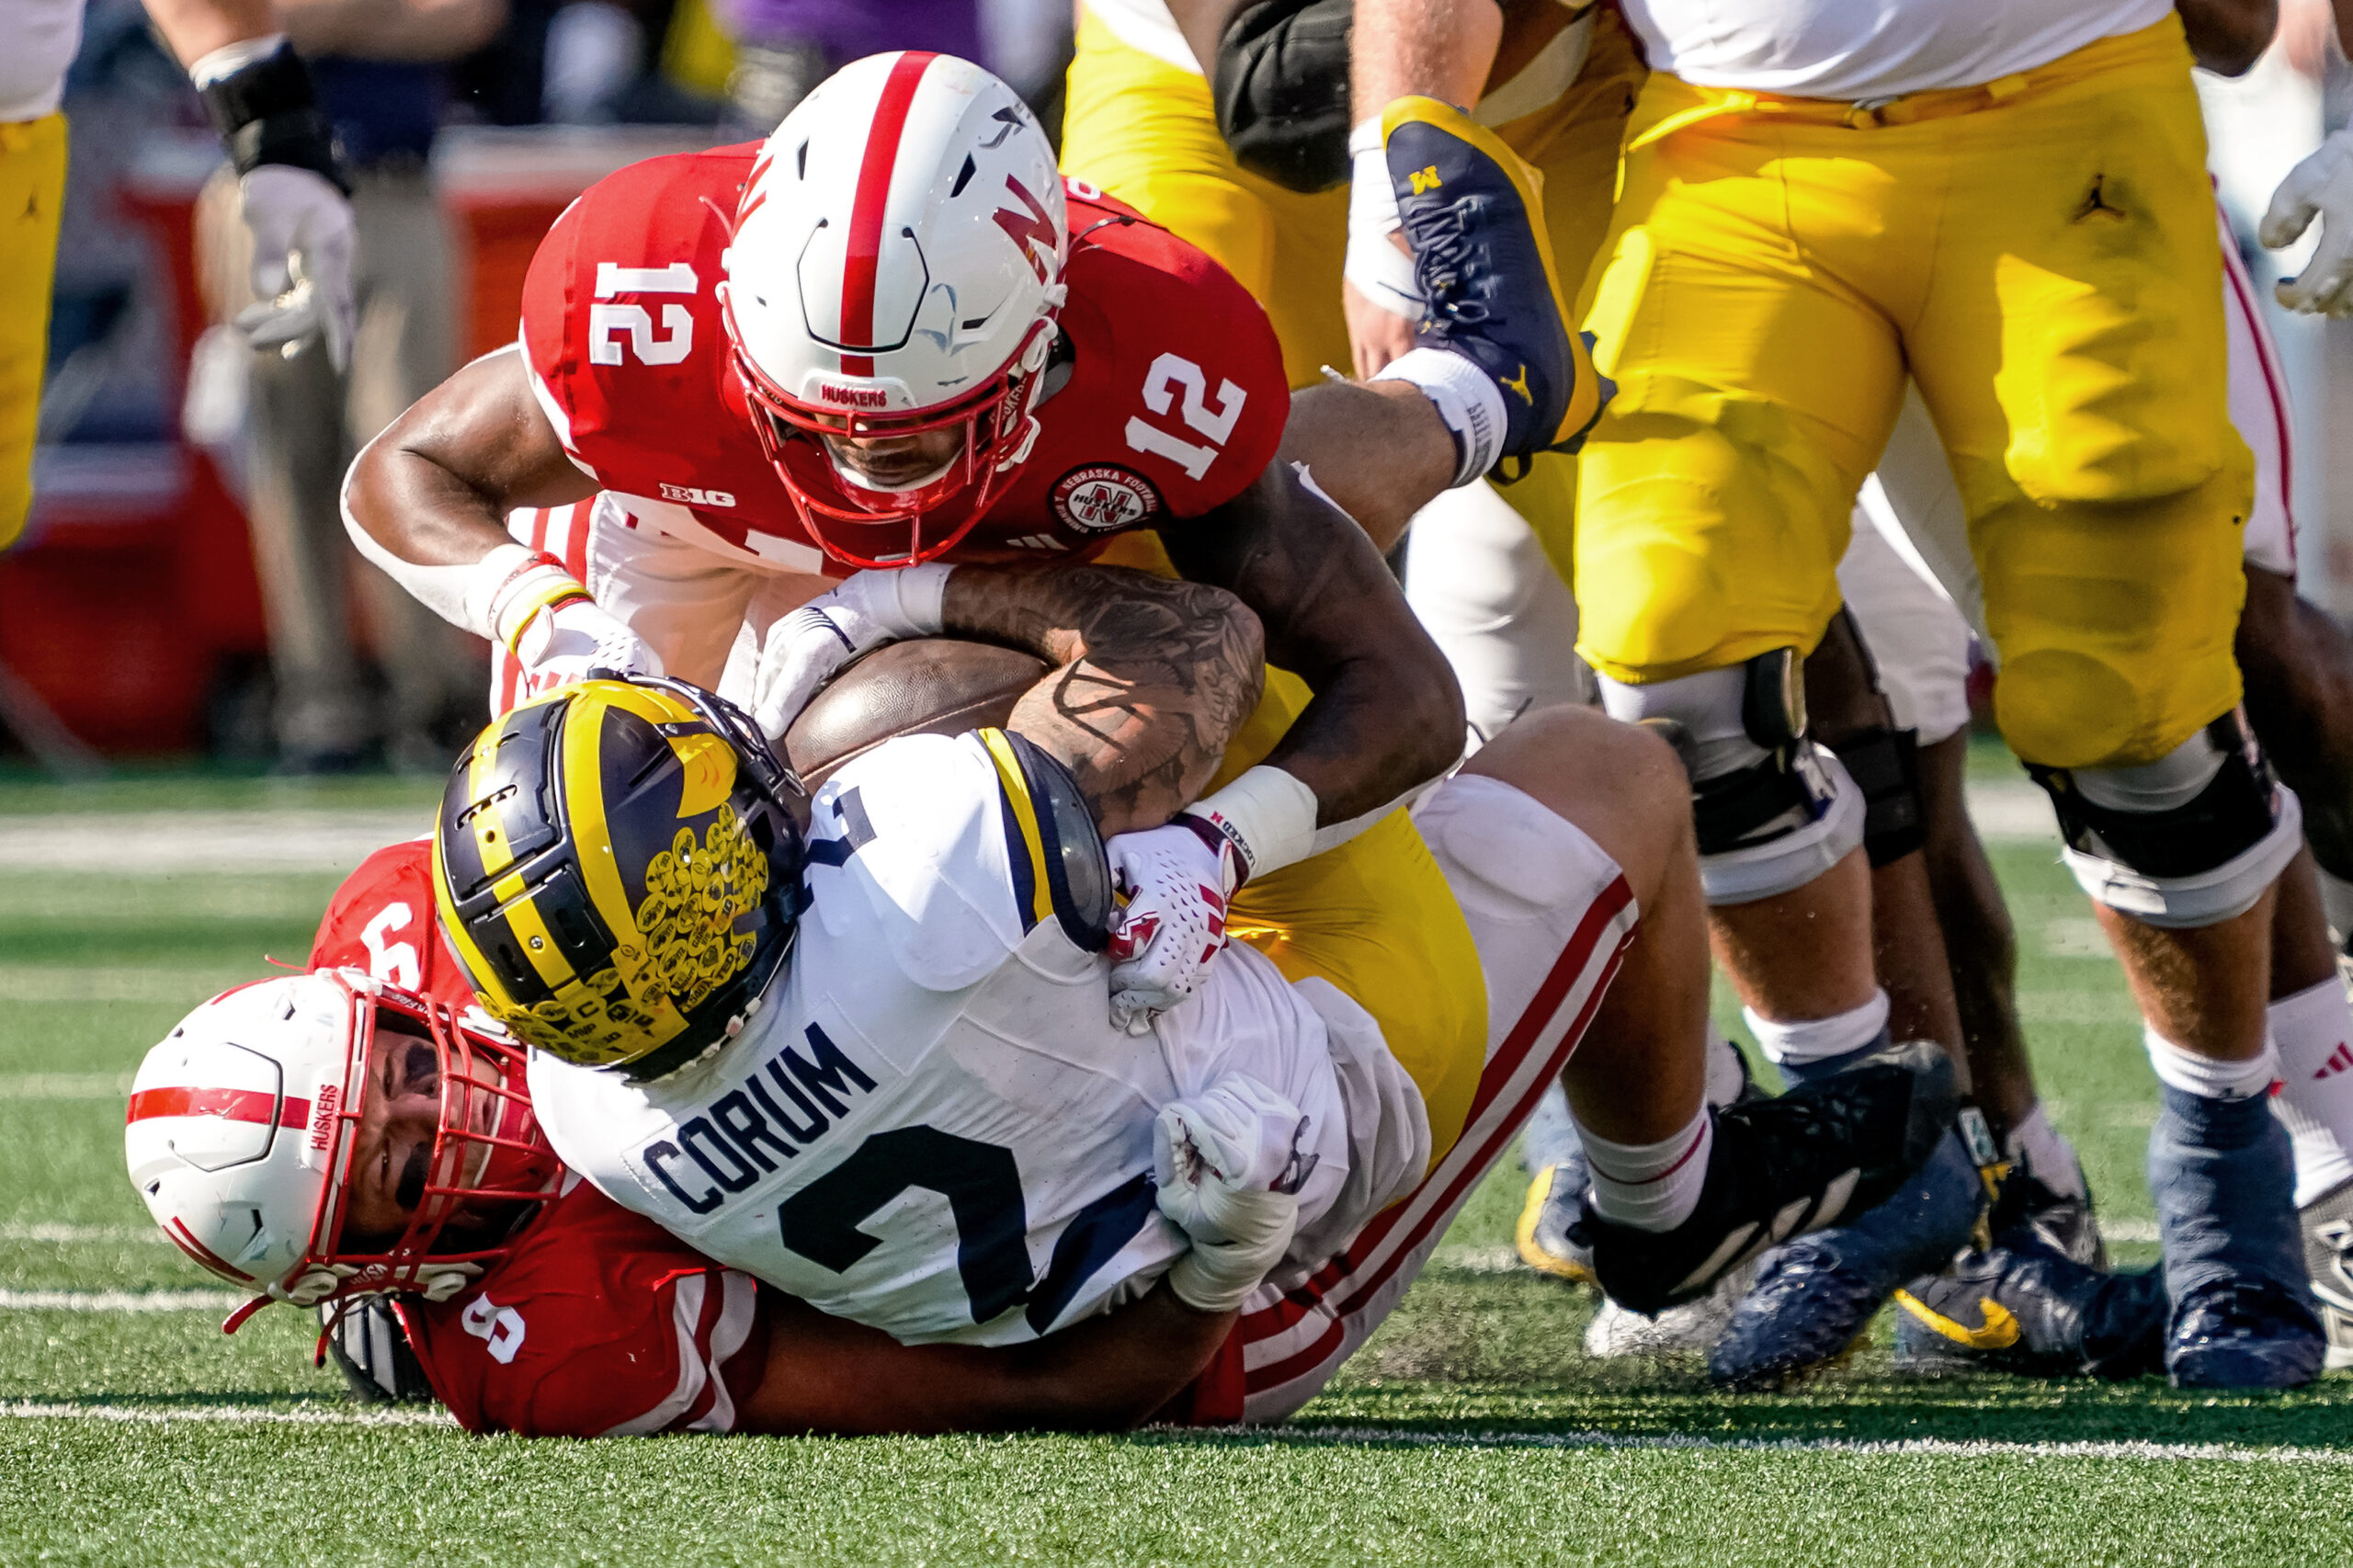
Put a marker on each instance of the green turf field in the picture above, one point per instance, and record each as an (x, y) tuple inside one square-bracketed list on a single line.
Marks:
[(1471, 1429)]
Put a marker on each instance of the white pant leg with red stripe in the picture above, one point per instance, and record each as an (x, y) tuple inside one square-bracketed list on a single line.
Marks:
[(690, 604), (1551, 914)]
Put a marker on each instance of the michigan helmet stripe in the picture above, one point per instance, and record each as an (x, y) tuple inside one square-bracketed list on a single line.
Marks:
[(600, 874), (868, 205), (490, 840), (1026, 845), (531, 928)]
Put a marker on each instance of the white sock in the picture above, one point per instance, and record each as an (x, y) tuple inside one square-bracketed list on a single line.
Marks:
[(1651, 1186), (1817, 1039), (1468, 400), (1726, 1074), (2208, 1078), (2313, 1032), (2043, 1154), (2337, 904)]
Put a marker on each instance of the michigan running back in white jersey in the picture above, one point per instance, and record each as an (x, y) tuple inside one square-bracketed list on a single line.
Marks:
[(932, 1126)]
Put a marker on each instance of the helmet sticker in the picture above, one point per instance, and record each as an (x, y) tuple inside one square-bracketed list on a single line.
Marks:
[(1103, 498)]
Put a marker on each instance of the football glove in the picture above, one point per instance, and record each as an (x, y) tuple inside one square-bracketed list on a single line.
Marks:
[(2321, 187), (301, 268), (558, 635), (1230, 1169), (1177, 879), (803, 648)]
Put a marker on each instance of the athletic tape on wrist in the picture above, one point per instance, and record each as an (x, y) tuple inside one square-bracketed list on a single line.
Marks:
[(1268, 815), (920, 592), (541, 587), (266, 112), (1382, 271)]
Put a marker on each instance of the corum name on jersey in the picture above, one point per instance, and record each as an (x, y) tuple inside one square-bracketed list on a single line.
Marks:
[(739, 1138), (1105, 498)]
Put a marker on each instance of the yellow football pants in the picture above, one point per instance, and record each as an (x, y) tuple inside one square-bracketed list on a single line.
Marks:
[(1145, 131), (2038, 255), (32, 196)]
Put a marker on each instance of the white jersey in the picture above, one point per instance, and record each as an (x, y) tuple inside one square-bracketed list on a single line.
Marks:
[(1871, 49), (42, 37), (931, 1126)]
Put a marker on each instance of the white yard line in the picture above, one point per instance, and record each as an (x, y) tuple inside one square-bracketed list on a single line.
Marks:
[(224, 1414), (78, 982), (62, 1085), (1926, 1447), (123, 1301), (53, 1232), (154, 843)]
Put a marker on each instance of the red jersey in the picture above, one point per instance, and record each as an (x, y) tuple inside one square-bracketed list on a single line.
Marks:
[(599, 1322), (1171, 402)]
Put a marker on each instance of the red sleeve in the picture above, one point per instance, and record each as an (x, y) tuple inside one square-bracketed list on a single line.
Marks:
[(1198, 398), (381, 920), (620, 321), (598, 1323)]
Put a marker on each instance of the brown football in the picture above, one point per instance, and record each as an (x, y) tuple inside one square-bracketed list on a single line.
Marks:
[(933, 686)]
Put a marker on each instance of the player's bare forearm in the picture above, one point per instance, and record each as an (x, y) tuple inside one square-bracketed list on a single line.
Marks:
[(1440, 48), (1152, 677), (2227, 36), (828, 1375), (435, 487), (1387, 715)]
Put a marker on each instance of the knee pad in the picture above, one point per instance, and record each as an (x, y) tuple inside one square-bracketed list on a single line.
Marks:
[(1773, 810), (1885, 766), (2190, 839)]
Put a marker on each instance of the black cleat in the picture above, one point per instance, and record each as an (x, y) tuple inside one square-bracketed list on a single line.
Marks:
[(1783, 1166)]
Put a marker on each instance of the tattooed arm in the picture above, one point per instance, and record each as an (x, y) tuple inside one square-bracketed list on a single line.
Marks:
[(1154, 676), (1387, 714)]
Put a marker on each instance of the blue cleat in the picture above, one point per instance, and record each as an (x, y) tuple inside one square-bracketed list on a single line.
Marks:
[(1474, 221), (2234, 1263), (1815, 1297), (2244, 1334), (2023, 1306), (1782, 1166)]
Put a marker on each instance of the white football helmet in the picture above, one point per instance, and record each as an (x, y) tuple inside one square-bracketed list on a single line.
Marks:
[(244, 1119), (895, 267)]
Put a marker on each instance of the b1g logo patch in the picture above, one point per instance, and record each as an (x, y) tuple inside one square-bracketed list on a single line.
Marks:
[(1105, 498)]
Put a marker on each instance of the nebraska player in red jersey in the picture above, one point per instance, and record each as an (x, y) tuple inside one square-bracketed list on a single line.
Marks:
[(890, 337)]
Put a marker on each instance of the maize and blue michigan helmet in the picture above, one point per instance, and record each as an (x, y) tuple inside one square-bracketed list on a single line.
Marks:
[(618, 866)]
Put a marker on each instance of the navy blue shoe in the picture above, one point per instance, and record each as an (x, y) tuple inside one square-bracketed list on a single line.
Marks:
[(1782, 1166), (2244, 1334), (2222, 1176), (1815, 1297), (1483, 259), (2023, 1306)]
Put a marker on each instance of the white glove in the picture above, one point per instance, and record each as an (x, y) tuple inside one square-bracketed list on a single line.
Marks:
[(1176, 885), (803, 648), (301, 279), (2322, 187), (562, 644), (1230, 1170)]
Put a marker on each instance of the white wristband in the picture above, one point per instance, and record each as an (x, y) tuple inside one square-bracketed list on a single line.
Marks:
[(921, 591), (483, 580), (232, 58), (1382, 271), (1269, 816)]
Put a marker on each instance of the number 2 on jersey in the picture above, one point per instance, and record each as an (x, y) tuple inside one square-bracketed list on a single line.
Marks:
[(1169, 373)]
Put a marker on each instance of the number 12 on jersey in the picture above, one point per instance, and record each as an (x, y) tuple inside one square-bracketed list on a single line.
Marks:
[(1168, 373)]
